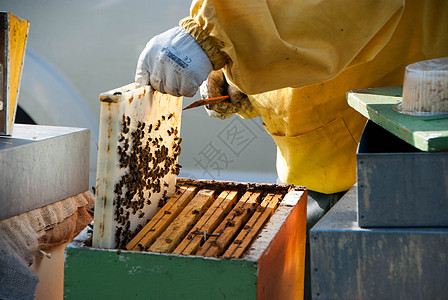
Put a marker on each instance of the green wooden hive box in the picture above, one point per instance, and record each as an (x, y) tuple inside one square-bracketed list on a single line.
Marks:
[(272, 268)]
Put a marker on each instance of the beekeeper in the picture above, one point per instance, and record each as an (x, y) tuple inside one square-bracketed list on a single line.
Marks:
[(295, 60)]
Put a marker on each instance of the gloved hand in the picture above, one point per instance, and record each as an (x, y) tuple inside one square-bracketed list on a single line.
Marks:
[(173, 63), (216, 85)]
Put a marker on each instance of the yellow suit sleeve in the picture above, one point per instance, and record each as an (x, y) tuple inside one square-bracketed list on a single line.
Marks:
[(272, 44)]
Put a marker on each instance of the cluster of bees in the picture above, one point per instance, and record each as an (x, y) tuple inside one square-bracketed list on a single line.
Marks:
[(146, 159)]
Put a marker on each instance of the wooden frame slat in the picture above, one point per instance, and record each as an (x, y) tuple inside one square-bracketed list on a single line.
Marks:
[(253, 227), (179, 228), (162, 219), (208, 223), (226, 231)]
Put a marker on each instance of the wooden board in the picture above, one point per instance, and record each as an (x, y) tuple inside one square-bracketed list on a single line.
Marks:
[(181, 225), (13, 40), (227, 230), (280, 250), (149, 227), (102, 274), (138, 147), (253, 226), (216, 221), (208, 223), (423, 132), (162, 219)]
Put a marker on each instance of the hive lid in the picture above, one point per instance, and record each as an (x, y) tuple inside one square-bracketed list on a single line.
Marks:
[(427, 133)]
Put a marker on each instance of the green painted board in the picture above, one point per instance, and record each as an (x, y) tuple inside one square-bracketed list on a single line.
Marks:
[(110, 274), (423, 132)]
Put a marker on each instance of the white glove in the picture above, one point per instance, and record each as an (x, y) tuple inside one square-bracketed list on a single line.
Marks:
[(173, 63)]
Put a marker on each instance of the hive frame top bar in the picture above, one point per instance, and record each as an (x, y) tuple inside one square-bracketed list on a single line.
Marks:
[(203, 183), (124, 93)]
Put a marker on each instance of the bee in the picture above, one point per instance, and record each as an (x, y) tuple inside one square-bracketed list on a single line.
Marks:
[(157, 125), (117, 189), (230, 223)]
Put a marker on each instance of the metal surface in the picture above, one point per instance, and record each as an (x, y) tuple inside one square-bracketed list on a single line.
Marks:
[(427, 133), (41, 165), (349, 262), (399, 185)]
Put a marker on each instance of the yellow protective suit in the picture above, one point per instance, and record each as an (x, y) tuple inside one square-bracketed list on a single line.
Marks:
[(298, 58)]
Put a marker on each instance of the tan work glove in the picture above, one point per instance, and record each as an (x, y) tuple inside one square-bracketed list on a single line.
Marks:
[(216, 85)]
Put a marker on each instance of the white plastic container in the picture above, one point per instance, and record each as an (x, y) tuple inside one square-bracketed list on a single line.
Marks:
[(139, 142), (425, 88)]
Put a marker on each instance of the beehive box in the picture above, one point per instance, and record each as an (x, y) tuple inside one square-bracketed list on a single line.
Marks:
[(351, 262), (401, 163), (399, 185), (211, 240)]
